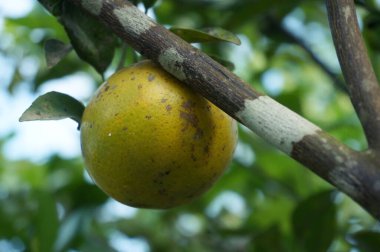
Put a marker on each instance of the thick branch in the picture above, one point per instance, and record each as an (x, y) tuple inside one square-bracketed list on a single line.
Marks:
[(362, 85), (275, 123)]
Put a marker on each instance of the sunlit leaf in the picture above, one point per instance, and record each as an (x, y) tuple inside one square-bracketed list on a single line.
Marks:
[(54, 106), (213, 34), (55, 51)]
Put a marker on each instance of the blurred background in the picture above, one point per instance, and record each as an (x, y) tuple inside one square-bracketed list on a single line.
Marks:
[(264, 202)]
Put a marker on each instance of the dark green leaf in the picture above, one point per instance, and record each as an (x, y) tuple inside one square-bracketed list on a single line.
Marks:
[(55, 51), (213, 34), (314, 222), (53, 6), (86, 195), (269, 240), (368, 241), (91, 40), (47, 222), (54, 106)]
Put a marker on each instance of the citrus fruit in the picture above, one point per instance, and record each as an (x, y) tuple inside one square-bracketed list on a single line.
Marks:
[(148, 141)]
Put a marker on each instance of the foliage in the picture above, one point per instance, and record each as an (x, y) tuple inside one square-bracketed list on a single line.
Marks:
[(264, 202)]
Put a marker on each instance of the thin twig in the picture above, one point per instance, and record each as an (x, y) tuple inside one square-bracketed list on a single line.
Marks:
[(336, 79), (357, 69)]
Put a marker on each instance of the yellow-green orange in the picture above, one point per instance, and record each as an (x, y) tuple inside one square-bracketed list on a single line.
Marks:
[(148, 141)]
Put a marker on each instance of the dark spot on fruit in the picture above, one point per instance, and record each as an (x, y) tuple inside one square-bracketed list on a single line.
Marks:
[(224, 147), (133, 78), (198, 134), (148, 117), (164, 173), (188, 104), (116, 114), (106, 88), (152, 159), (139, 86), (206, 149), (163, 100), (158, 181), (168, 108), (193, 157), (151, 77), (38, 113), (208, 107), (125, 129), (162, 191), (189, 118)]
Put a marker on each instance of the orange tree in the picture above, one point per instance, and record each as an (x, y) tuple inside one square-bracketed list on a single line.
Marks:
[(272, 202)]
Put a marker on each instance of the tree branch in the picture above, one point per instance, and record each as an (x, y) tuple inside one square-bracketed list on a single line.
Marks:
[(275, 123), (357, 69), (302, 43)]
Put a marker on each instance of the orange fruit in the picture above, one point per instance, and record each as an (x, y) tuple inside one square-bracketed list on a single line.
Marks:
[(149, 141)]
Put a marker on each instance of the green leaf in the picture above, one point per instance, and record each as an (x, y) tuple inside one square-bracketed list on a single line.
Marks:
[(314, 222), (213, 34), (270, 239), (55, 51), (368, 241), (69, 230), (54, 106), (91, 40), (16, 80), (53, 6), (47, 222)]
